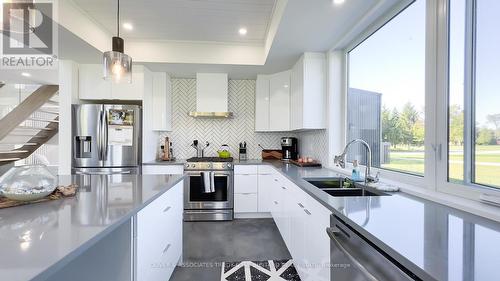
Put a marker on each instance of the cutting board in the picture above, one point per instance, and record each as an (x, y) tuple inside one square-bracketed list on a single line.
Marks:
[(311, 164), (272, 154)]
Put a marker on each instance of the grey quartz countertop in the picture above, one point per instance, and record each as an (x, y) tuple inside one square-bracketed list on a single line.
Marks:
[(166, 163), (432, 240), (37, 239)]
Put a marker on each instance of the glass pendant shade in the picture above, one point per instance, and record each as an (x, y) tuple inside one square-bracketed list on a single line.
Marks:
[(117, 66)]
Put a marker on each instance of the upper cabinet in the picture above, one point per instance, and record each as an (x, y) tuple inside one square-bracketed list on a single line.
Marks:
[(308, 92), (93, 87), (162, 101), (91, 84), (295, 99), (272, 102)]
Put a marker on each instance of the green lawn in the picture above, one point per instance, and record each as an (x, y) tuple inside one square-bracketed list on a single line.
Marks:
[(487, 159)]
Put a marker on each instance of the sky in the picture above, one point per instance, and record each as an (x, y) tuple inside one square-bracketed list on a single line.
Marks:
[(392, 60)]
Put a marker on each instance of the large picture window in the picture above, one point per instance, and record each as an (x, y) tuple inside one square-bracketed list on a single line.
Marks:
[(386, 93), (474, 95)]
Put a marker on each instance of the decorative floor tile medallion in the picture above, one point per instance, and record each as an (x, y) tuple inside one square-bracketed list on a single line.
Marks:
[(279, 270)]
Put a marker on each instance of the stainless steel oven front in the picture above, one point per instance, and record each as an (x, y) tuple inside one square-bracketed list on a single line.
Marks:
[(200, 205)]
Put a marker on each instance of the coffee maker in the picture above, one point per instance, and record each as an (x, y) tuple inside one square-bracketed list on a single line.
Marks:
[(290, 149)]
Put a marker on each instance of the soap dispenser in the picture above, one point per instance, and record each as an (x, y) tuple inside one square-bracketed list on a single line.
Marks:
[(356, 176)]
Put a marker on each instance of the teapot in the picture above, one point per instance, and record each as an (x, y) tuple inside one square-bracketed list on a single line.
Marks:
[(224, 151)]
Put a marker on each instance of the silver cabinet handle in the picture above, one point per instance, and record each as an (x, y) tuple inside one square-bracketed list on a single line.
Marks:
[(166, 209), (284, 188), (166, 248), (275, 180), (333, 233), (275, 202), (307, 212), (300, 205)]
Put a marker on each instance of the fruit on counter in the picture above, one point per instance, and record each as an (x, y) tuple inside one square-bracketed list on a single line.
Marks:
[(309, 160), (300, 160)]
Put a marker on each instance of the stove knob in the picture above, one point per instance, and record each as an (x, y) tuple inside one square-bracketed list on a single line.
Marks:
[(229, 165)]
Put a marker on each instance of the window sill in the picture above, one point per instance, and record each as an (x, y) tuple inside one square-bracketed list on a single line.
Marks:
[(460, 203)]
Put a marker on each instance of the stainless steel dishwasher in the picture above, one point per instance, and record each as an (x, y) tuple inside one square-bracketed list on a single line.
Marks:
[(354, 258)]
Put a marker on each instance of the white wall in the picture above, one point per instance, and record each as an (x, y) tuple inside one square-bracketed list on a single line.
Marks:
[(68, 95)]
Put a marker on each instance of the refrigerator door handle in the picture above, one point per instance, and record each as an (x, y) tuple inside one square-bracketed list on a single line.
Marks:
[(105, 129), (99, 136)]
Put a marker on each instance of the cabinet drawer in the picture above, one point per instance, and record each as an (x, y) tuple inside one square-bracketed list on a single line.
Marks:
[(245, 183), (245, 203), (245, 170)]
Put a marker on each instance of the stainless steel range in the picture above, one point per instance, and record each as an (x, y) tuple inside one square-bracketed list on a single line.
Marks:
[(209, 189)]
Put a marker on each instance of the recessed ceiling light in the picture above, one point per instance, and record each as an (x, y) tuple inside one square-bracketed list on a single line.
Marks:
[(128, 26), (26, 74), (243, 31), (338, 2)]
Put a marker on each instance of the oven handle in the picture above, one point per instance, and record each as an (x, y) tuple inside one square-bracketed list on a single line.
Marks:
[(333, 233)]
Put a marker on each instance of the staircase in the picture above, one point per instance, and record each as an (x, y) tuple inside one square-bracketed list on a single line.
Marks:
[(29, 125)]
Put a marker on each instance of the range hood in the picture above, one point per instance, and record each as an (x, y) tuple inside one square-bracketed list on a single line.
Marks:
[(211, 96)]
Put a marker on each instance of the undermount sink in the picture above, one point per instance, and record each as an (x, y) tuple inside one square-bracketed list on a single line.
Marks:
[(342, 187), (342, 192)]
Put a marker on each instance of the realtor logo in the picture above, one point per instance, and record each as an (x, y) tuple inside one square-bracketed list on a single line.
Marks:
[(28, 36)]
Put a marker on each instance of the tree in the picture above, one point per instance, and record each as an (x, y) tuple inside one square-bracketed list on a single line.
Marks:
[(409, 118), (485, 136), (456, 125), (391, 129), (495, 120)]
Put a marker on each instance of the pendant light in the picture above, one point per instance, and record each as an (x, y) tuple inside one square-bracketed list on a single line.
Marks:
[(117, 64)]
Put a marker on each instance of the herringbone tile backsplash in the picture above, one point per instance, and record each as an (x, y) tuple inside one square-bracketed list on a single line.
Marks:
[(218, 131)]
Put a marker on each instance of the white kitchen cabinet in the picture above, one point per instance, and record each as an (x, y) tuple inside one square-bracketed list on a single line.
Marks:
[(245, 203), (262, 103), (159, 236), (134, 90), (245, 189), (162, 102), (92, 86), (272, 102), (265, 185), (245, 183), (279, 102), (162, 169), (308, 92)]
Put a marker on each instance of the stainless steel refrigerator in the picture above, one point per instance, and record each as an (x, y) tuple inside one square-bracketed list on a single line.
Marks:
[(106, 139)]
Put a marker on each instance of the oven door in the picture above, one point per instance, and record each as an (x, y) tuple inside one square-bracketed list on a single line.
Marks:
[(195, 197)]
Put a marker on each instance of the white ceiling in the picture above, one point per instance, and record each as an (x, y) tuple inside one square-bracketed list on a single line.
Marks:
[(185, 20), (306, 25)]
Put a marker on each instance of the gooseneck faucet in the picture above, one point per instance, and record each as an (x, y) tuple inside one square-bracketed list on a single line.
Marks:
[(340, 160)]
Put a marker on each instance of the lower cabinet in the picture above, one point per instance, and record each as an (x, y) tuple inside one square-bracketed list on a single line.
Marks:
[(246, 189), (159, 236), (301, 220)]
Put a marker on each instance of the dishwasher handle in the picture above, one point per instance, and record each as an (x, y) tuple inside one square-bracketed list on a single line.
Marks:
[(333, 233)]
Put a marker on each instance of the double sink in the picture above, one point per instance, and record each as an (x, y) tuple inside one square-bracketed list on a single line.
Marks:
[(341, 187)]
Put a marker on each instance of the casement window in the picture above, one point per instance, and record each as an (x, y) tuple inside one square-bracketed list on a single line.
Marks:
[(423, 89), (474, 93), (386, 93)]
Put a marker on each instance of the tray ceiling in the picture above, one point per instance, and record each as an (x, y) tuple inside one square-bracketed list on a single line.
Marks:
[(185, 20)]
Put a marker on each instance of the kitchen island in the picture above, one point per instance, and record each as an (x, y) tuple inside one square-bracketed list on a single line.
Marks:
[(94, 233)]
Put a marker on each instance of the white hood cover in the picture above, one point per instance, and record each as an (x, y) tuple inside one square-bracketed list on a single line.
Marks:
[(211, 96)]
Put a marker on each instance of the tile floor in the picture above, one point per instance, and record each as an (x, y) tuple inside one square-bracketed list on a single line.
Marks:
[(208, 244)]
